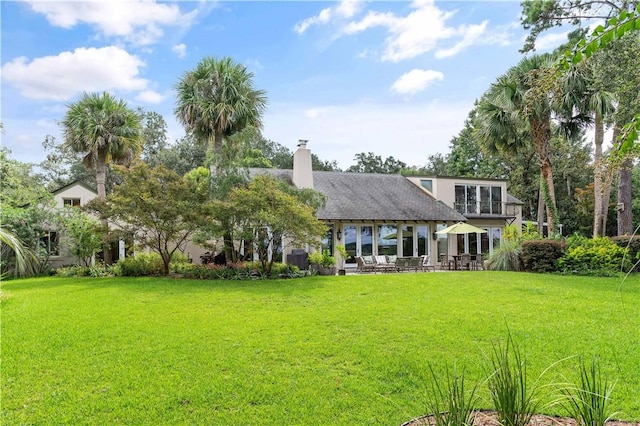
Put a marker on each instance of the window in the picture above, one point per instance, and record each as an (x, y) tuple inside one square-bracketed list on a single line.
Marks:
[(387, 240), (466, 199), (471, 199), (71, 202), (49, 243), (427, 184)]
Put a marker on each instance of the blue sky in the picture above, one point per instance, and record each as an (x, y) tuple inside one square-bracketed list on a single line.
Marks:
[(396, 78)]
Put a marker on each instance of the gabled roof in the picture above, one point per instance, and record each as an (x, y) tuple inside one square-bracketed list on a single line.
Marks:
[(72, 184), (372, 197)]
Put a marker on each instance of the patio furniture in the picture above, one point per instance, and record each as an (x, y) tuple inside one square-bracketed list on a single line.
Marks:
[(365, 264), (415, 263), (476, 262), (465, 261), (446, 263), (382, 264), (402, 264), (426, 264)]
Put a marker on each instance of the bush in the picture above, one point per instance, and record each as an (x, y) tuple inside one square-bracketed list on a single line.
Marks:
[(540, 255), (505, 258), (323, 259), (633, 245), (597, 256), (141, 264)]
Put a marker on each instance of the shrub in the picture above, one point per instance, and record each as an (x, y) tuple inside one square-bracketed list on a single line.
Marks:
[(72, 271), (632, 243), (594, 256), (540, 255), (505, 258), (141, 264), (323, 259)]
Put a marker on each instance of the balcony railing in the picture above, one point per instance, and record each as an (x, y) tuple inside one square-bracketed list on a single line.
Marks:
[(483, 207)]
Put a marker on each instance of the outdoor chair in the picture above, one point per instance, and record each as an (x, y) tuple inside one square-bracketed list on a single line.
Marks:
[(415, 263), (383, 265), (426, 264), (476, 263), (465, 261), (402, 264), (365, 264), (446, 263)]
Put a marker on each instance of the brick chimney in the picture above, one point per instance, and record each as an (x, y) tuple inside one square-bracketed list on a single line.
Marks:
[(302, 171)]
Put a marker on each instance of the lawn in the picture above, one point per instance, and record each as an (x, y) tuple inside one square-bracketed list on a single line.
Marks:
[(320, 350)]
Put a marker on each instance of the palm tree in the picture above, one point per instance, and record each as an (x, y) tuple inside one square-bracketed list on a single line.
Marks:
[(583, 95), (517, 109), (216, 100), (106, 131), (25, 260)]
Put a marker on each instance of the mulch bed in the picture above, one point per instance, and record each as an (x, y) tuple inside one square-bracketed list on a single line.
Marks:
[(490, 418)]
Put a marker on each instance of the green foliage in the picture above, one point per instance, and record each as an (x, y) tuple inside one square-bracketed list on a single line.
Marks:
[(15, 258), (85, 234), (450, 403), (266, 209), (505, 258), (323, 259), (632, 244), (371, 163), (512, 398), (589, 399), (594, 256), (161, 208), (540, 255), (142, 264)]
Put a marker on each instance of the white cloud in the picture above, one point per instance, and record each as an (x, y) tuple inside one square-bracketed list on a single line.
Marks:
[(420, 31), (314, 113), (416, 81), (550, 41), (150, 97), (137, 21), (344, 10), (180, 50), (342, 131), (69, 73), (471, 34)]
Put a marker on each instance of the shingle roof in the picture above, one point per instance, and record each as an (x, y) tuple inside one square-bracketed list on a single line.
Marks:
[(372, 197)]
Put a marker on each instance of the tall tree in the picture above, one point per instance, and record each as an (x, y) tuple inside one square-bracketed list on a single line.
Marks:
[(519, 104), (105, 131), (216, 100)]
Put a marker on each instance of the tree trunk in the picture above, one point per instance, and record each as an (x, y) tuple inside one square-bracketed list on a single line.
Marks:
[(598, 190), (541, 208), (606, 197), (625, 217), (541, 135), (101, 174)]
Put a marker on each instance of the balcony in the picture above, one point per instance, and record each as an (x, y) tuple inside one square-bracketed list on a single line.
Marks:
[(481, 208)]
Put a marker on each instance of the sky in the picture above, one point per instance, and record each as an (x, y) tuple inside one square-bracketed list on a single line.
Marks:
[(396, 78)]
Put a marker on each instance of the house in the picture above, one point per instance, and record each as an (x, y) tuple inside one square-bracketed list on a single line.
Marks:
[(379, 214), (77, 194)]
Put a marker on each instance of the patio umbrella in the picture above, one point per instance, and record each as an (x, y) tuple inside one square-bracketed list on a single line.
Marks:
[(461, 228)]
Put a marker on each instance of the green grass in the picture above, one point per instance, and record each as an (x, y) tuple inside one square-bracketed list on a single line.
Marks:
[(320, 350)]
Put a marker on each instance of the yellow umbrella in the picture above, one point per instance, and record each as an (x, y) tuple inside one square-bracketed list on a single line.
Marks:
[(461, 228)]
